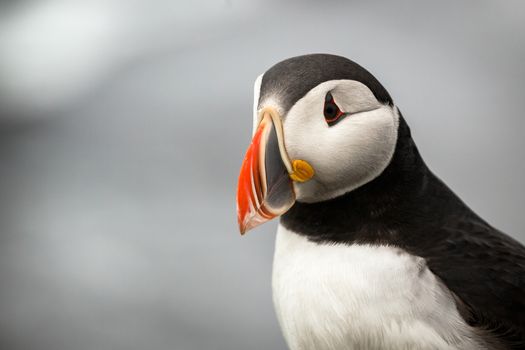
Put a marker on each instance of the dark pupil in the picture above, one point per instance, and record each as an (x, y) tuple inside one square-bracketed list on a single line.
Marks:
[(330, 110)]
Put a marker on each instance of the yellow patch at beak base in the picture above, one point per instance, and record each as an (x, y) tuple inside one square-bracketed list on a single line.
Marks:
[(302, 171)]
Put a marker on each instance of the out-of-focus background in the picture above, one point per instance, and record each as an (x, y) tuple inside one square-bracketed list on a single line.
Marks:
[(123, 125)]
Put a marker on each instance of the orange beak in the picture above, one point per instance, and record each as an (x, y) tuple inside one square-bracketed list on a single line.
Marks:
[(265, 189)]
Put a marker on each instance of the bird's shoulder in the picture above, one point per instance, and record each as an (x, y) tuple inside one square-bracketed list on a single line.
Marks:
[(485, 269)]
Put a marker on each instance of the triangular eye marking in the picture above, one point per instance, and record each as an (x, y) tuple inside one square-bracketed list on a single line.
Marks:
[(332, 112)]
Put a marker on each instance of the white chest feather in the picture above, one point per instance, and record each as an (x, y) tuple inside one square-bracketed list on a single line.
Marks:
[(361, 297)]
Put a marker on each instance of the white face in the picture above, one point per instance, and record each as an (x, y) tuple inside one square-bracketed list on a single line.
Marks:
[(347, 154)]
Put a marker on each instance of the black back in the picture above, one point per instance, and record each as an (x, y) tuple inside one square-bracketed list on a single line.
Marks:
[(409, 207)]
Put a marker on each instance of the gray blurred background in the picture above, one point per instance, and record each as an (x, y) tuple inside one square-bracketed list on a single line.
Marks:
[(123, 125)]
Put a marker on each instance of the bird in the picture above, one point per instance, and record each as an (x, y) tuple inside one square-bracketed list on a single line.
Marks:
[(373, 251)]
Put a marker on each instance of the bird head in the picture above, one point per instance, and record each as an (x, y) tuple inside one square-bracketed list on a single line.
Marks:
[(323, 126)]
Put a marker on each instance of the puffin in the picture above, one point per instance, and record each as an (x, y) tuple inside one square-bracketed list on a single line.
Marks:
[(373, 251)]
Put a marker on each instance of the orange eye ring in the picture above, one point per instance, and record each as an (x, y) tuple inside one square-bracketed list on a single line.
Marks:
[(332, 112)]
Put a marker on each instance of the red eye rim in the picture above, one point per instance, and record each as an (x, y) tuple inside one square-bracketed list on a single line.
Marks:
[(335, 116)]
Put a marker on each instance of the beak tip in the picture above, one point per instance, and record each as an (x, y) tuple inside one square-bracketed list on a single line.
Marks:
[(244, 227), (241, 223)]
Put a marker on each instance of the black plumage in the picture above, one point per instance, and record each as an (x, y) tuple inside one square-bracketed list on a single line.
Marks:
[(291, 79), (407, 206)]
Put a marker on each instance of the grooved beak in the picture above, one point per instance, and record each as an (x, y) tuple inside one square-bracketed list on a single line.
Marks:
[(265, 189)]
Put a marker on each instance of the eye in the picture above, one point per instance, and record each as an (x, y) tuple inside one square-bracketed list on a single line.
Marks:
[(332, 112)]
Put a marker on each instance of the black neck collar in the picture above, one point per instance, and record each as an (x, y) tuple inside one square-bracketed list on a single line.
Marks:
[(405, 195)]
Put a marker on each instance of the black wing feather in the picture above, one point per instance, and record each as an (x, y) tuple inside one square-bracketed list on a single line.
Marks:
[(409, 207)]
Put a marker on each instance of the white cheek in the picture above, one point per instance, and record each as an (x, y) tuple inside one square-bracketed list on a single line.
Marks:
[(344, 156)]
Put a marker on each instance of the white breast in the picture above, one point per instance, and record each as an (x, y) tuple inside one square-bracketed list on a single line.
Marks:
[(335, 296)]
